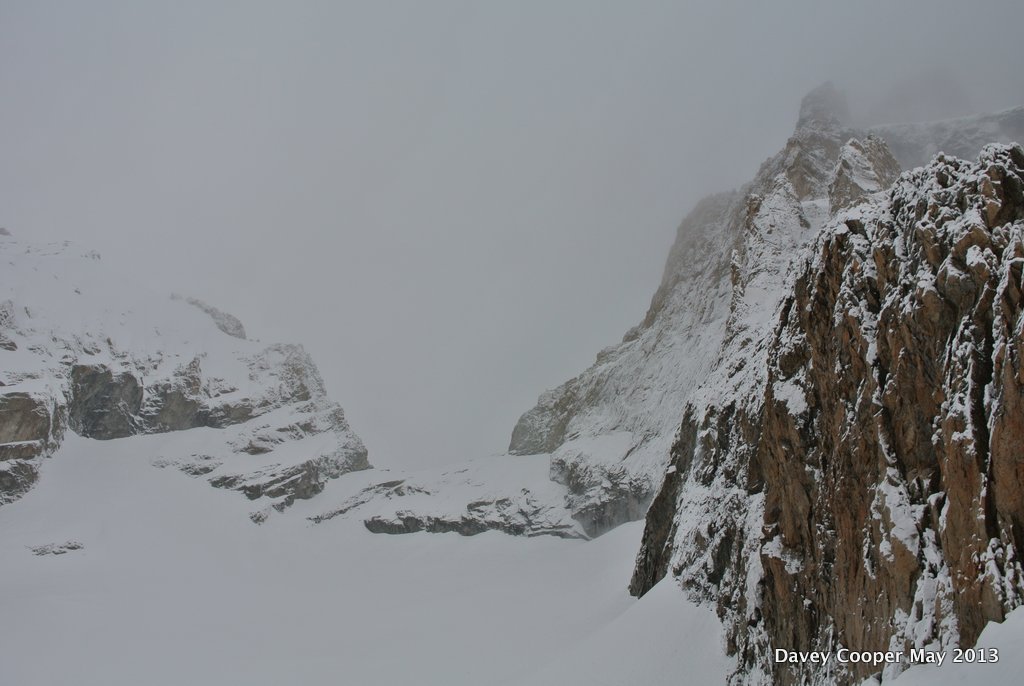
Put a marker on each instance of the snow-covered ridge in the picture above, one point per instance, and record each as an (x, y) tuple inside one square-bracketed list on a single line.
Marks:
[(83, 351), (916, 144)]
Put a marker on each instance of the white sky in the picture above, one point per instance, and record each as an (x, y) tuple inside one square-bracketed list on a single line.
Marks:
[(452, 205)]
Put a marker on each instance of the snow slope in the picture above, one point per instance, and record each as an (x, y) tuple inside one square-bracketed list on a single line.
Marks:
[(159, 594), (662, 639)]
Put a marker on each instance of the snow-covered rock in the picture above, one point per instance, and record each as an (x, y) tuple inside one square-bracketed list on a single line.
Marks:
[(226, 322), (83, 351), (610, 429), (864, 167), (486, 494), (849, 477)]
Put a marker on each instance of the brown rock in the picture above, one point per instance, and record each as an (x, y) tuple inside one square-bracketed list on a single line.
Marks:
[(886, 446)]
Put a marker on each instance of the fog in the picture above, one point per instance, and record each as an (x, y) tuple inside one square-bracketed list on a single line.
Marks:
[(452, 205)]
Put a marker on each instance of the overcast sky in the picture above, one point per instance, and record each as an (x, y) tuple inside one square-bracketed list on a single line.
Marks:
[(452, 205)]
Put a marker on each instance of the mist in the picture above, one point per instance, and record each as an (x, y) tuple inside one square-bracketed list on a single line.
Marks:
[(452, 205)]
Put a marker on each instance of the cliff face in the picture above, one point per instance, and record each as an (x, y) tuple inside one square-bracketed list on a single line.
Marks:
[(81, 351), (854, 479), (889, 455), (610, 429)]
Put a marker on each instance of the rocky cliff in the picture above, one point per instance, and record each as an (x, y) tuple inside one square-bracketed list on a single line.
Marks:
[(610, 430), (81, 351), (848, 474)]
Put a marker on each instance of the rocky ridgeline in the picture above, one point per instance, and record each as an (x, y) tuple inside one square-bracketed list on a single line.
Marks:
[(849, 473), (80, 353)]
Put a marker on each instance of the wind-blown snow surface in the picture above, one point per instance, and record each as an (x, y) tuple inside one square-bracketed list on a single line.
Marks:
[(158, 593)]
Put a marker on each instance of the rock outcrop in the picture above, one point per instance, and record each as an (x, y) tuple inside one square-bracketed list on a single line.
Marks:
[(501, 514), (487, 494), (104, 404), (80, 352), (864, 168), (850, 477), (226, 322), (31, 426)]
